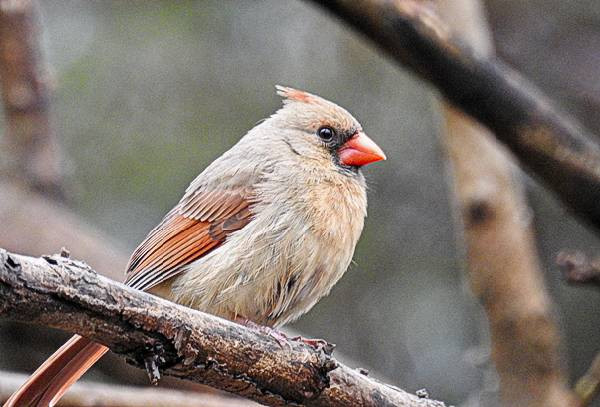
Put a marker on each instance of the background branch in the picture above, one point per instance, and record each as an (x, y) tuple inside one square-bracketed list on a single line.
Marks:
[(550, 145), (31, 150), (588, 386), (66, 294), (502, 261), (85, 394), (32, 219), (579, 268)]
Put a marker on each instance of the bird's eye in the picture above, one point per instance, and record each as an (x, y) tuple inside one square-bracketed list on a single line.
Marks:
[(326, 133)]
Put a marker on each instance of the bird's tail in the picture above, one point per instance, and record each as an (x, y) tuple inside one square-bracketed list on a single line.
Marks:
[(52, 379)]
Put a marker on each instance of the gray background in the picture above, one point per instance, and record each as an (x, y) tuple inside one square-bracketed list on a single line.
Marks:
[(148, 93)]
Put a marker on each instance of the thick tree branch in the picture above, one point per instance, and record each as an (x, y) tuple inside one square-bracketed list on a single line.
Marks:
[(504, 270), (550, 145), (67, 294), (32, 153), (33, 224), (85, 394), (30, 171)]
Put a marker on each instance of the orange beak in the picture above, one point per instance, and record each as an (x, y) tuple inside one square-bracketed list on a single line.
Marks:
[(360, 150)]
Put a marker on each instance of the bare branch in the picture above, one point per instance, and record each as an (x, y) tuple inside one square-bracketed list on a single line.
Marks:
[(33, 224), (32, 153), (552, 146), (578, 268), (86, 394), (66, 294), (504, 270), (588, 387)]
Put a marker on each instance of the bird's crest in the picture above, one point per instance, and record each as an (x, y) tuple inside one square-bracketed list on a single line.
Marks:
[(308, 110), (295, 95)]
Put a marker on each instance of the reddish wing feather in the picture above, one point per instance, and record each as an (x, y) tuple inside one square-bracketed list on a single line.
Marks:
[(198, 224)]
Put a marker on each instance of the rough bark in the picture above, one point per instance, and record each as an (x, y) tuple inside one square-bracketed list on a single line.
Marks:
[(552, 146), (66, 294), (504, 270), (31, 152), (85, 394)]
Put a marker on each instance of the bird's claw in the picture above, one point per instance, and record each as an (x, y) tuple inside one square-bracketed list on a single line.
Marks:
[(281, 338), (284, 341), (318, 344)]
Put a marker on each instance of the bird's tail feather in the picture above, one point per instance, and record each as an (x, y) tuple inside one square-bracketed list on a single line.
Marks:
[(53, 378)]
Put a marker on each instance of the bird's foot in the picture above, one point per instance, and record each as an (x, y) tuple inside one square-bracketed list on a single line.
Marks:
[(284, 341), (281, 338), (318, 344)]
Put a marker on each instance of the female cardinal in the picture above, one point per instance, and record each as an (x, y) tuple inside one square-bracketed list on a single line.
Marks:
[(260, 235)]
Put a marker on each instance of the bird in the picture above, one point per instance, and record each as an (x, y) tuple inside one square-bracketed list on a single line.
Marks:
[(262, 234)]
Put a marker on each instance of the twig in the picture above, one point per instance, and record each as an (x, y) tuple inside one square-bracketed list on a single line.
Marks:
[(66, 294), (504, 270), (86, 394), (578, 268), (552, 146), (31, 152), (588, 387)]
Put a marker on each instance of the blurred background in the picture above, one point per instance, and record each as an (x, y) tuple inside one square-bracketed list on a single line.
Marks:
[(148, 93)]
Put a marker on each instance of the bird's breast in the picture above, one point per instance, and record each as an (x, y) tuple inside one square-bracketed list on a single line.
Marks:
[(297, 246), (327, 223)]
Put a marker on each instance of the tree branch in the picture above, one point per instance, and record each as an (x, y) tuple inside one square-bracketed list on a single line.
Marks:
[(86, 394), (588, 386), (579, 268), (32, 152), (66, 294), (30, 172), (503, 265), (550, 145), (33, 224)]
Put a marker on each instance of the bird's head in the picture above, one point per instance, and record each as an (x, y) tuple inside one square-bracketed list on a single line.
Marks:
[(319, 129)]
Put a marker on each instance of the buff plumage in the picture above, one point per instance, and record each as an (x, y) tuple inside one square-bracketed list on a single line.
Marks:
[(260, 235)]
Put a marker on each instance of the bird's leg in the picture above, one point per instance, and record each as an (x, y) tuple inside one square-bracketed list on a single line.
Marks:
[(281, 338), (318, 344)]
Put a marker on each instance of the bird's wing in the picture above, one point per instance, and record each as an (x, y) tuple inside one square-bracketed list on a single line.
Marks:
[(198, 224), (205, 216)]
